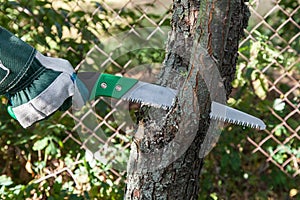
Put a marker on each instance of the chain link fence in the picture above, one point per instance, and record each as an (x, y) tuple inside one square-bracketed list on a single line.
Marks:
[(106, 126), (279, 78), (280, 142)]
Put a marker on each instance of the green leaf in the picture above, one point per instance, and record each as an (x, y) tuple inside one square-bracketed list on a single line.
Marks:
[(255, 49), (260, 85), (25, 139), (51, 149), (59, 29), (249, 72), (279, 105), (279, 130), (213, 196), (5, 181), (40, 144)]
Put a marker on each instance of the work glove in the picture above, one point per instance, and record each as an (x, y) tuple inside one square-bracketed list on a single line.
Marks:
[(36, 85)]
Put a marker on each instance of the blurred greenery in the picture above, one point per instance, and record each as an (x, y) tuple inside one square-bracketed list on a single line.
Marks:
[(231, 170), (67, 31)]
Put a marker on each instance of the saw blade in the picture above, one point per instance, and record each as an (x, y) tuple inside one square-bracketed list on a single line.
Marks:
[(151, 94), (231, 115), (164, 97)]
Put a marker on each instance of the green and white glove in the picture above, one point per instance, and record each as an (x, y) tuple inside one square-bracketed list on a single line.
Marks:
[(36, 85)]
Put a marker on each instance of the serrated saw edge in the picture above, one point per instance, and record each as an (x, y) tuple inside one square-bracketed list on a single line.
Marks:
[(230, 115), (164, 97)]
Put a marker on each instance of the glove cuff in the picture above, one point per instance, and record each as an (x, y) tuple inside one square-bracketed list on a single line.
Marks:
[(46, 93), (44, 105)]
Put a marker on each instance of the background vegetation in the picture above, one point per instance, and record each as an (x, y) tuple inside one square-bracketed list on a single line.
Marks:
[(48, 161)]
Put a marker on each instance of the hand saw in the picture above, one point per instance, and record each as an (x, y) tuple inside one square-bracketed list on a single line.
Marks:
[(133, 90)]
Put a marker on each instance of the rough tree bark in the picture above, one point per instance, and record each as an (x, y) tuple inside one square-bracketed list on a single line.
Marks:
[(215, 26)]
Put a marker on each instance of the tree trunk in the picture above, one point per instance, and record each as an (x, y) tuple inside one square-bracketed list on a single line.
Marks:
[(167, 153)]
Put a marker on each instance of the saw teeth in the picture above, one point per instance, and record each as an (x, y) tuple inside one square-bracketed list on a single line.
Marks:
[(234, 121), (140, 101)]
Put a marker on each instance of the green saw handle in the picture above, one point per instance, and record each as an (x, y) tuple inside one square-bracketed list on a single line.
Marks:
[(113, 86), (107, 85), (11, 112)]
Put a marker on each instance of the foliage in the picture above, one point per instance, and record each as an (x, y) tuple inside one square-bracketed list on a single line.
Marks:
[(231, 170), (42, 162), (69, 31), (29, 155)]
